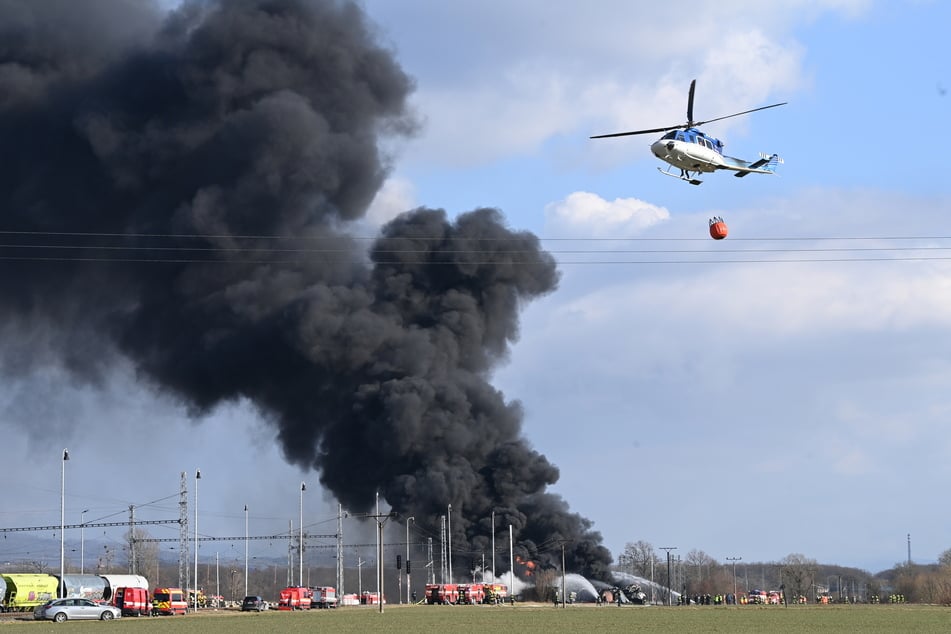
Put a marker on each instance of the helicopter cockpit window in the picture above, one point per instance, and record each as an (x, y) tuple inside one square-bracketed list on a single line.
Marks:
[(670, 136)]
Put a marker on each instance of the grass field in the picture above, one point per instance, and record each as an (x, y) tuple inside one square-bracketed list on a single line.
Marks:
[(529, 619)]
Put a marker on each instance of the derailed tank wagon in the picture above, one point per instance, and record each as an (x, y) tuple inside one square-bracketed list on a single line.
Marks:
[(92, 587)]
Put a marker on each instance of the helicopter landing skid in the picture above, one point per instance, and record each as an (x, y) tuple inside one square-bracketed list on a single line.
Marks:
[(684, 176)]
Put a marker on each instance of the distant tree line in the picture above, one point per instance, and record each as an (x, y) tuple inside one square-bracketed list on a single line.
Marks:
[(696, 572)]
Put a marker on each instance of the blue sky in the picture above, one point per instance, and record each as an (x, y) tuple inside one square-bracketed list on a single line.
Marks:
[(752, 409), (749, 410)]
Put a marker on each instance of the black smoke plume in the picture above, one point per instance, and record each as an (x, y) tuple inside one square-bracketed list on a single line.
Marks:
[(180, 189)]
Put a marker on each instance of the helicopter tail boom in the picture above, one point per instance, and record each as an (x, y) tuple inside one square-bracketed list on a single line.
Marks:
[(765, 165)]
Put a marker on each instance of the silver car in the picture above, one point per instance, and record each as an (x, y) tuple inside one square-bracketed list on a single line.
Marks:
[(60, 610)]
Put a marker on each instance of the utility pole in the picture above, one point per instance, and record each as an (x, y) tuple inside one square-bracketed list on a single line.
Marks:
[(564, 575), (360, 563), (668, 549), (132, 570), (183, 533), (82, 542), (734, 560), (380, 519)]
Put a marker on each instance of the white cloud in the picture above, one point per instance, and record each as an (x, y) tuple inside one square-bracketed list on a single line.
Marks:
[(510, 76), (585, 214)]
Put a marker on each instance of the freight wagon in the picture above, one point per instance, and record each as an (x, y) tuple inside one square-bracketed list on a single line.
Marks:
[(26, 591), (23, 592)]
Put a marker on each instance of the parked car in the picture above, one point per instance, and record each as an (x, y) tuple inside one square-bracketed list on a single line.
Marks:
[(253, 603), (60, 610)]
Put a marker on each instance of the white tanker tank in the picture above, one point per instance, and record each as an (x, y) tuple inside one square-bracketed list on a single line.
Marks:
[(122, 581)]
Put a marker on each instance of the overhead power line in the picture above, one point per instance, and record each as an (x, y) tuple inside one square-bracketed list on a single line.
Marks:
[(311, 250), (23, 529)]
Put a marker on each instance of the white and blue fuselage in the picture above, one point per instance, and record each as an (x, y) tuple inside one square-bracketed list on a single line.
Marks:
[(693, 151)]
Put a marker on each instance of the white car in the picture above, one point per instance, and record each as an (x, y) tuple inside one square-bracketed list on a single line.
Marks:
[(60, 610)]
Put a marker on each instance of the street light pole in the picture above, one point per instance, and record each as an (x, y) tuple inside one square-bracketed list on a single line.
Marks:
[(62, 525), (300, 572), (195, 590), (668, 549), (245, 556), (408, 520), (734, 560), (450, 543), (82, 541)]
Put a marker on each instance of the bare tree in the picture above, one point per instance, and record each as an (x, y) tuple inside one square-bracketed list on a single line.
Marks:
[(798, 574), (638, 557), (146, 554), (695, 561)]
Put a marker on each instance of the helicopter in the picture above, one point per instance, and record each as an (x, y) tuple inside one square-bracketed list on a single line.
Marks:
[(685, 147)]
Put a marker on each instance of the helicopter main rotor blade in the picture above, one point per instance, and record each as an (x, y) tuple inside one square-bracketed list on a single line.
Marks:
[(690, 123), (697, 124), (651, 131)]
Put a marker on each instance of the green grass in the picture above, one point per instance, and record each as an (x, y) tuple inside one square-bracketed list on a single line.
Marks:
[(528, 619)]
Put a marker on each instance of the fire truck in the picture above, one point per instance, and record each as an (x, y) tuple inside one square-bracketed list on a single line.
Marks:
[(132, 601), (442, 593), (496, 592), (295, 598), (472, 594), (169, 601), (324, 597), (371, 598), (773, 597)]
